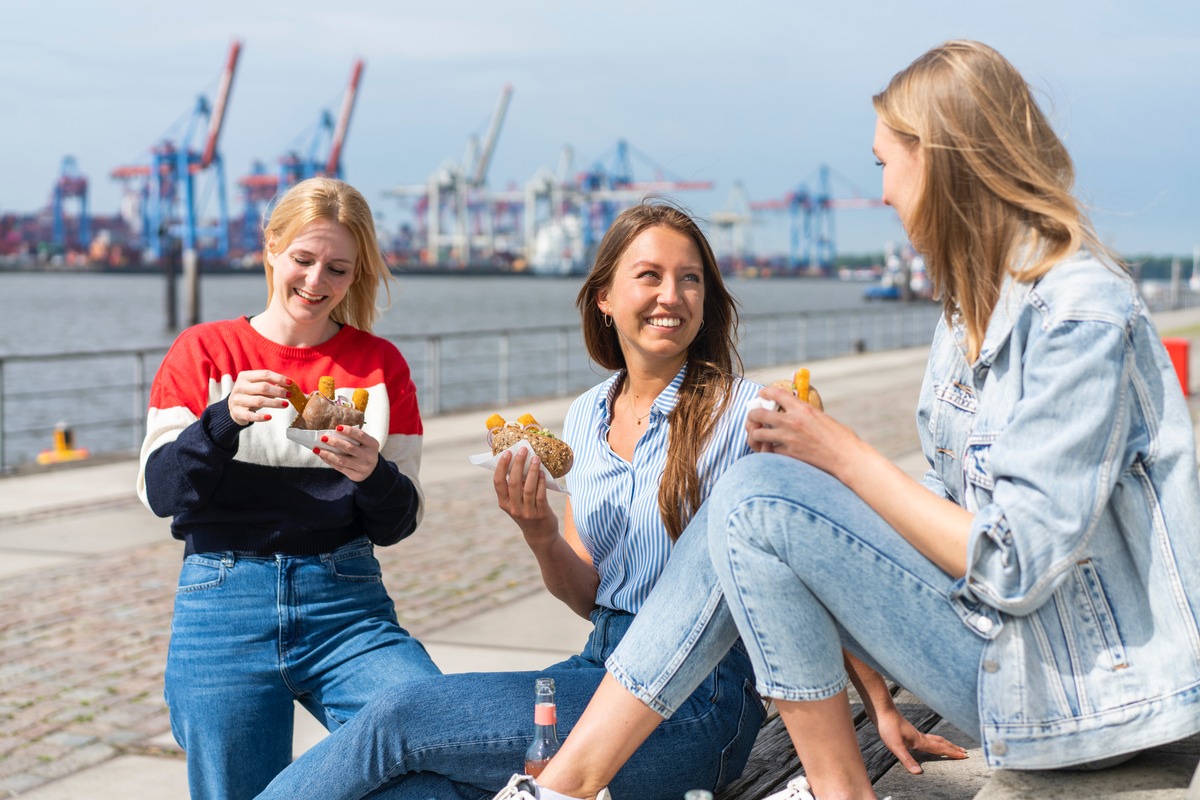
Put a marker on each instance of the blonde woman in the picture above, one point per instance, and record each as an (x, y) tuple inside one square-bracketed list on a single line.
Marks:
[(280, 598), (1040, 588)]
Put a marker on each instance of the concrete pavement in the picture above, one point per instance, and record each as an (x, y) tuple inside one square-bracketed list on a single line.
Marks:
[(87, 577)]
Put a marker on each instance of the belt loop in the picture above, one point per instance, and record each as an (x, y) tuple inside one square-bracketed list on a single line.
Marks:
[(228, 559)]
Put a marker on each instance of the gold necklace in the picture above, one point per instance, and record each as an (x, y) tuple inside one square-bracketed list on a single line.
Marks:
[(632, 410)]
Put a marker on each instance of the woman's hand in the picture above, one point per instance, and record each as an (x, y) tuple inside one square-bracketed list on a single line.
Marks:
[(800, 431), (522, 495), (255, 393), (351, 451), (901, 736)]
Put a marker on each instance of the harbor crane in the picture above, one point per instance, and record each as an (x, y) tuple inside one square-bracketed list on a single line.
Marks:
[(168, 184), (72, 185), (322, 157), (731, 229), (458, 191), (566, 241), (812, 241)]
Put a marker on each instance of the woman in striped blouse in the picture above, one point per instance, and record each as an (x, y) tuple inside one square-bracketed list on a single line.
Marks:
[(649, 443)]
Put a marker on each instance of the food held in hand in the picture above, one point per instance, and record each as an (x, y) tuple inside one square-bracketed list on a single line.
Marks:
[(296, 397), (323, 410), (800, 385), (555, 454)]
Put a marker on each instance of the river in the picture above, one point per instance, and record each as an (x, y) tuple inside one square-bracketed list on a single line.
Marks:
[(64, 312), (437, 321)]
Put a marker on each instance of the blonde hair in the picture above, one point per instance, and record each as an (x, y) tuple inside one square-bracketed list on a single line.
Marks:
[(996, 182), (711, 360), (336, 201)]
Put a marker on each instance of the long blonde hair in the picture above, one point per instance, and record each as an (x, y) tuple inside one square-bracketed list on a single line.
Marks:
[(996, 193), (711, 360), (336, 201)]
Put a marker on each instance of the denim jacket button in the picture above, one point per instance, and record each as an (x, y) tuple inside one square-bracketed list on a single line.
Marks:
[(990, 666), (999, 748), (984, 625)]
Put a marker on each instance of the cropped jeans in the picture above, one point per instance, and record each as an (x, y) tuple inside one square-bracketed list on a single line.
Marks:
[(252, 634), (461, 736), (802, 567)]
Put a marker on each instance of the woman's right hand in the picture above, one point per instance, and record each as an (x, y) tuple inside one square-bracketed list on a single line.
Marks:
[(522, 495), (801, 431), (255, 393)]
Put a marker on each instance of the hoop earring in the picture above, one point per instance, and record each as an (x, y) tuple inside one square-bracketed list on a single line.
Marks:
[(607, 321)]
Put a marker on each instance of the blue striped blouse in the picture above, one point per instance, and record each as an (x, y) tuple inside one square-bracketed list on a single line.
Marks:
[(615, 503)]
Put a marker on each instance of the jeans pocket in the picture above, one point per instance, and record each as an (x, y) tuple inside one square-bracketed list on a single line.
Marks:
[(200, 573), (358, 566)]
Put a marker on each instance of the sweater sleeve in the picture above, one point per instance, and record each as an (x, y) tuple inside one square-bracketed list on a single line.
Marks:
[(188, 442), (390, 499)]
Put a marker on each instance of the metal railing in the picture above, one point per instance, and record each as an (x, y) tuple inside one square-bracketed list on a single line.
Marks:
[(102, 396)]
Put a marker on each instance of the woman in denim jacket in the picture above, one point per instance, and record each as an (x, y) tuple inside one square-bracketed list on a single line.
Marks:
[(1042, 588)]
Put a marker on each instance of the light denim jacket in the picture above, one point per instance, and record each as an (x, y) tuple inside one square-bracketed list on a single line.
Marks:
[(1071, 443)]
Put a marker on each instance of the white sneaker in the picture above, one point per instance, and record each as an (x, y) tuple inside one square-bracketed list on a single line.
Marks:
[(523, 787), (796, 789)]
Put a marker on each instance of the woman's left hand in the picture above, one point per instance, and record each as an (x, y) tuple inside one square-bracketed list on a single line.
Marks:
[(351, 451), (901, 736), (800, 431)]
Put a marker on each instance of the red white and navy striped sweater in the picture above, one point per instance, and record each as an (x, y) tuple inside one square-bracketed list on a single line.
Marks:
[(251, 489)]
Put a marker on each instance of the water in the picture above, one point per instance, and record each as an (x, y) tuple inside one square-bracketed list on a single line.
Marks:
[(103, 399), (68, 312)]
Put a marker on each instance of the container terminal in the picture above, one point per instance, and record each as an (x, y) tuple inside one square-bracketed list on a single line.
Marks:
[(452, 221)]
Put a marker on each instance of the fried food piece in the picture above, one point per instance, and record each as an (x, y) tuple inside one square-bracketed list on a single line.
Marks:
[(527, 419), (494, 421), (297, 397), (325, 386), (800, 382), (359, 399)]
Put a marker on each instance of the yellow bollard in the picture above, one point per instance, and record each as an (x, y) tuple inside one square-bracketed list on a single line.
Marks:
[(64, 447)]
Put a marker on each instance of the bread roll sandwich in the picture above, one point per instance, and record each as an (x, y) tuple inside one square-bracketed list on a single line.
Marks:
[(801, 387), (323, 410), (555, 454)]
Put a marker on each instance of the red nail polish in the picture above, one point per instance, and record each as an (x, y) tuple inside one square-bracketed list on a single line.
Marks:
[(339, 428), (317, 450), (325, 439), (283, 403), (289, 381), (266, 417)]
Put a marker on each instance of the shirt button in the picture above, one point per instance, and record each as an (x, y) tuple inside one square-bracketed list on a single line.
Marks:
[(984, 625), (999, 748), (990, 666)]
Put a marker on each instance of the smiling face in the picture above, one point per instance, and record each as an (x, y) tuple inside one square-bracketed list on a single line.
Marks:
[(311, 276), (656, 299), (901, 162)]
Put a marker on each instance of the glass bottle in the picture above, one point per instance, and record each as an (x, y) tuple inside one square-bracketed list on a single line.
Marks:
[(545, 728)]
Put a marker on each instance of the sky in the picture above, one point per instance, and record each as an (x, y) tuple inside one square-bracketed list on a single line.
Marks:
[(761, 92)]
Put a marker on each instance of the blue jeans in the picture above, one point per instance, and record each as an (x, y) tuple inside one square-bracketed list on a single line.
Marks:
[(802, 567), (807, 568), (252, 634), (460, 737)]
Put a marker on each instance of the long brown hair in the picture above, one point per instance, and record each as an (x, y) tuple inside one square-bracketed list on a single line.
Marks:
[(996, 194), (712, 360), (337, 201)]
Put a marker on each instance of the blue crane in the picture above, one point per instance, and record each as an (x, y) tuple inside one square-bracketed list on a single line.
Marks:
[(322, 157), (71, 185), (168, 183), (812, 240)]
